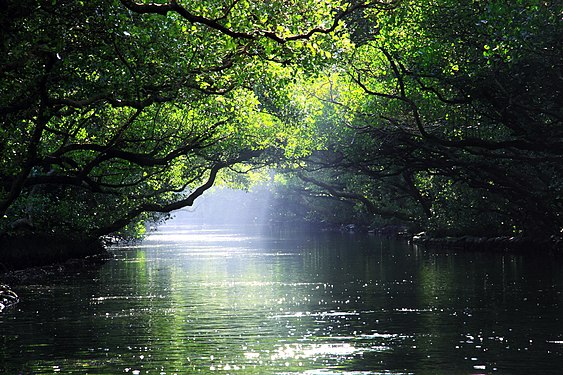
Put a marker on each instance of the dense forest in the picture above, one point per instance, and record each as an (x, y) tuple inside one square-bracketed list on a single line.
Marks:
[(442, 116)]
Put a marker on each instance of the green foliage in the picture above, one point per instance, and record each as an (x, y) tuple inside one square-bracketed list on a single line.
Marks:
[(449, 117), (114, 112), (444, 115)]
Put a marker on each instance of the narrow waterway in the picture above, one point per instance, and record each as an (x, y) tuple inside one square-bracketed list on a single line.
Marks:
[(223, 301)]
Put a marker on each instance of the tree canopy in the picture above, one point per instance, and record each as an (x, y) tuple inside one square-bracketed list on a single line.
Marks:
[(448, 117), (113, 112), (442, 115)]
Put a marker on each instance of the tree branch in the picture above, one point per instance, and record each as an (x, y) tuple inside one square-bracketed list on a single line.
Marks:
[(175, 205), (372, 209), (173, 6)]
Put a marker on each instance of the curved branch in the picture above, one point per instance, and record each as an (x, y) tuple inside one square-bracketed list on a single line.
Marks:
[(173, 6), (372, 209), (163, 208), (175, 205)]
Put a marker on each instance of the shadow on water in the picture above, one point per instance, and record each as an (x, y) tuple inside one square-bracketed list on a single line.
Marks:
[(268, 301)]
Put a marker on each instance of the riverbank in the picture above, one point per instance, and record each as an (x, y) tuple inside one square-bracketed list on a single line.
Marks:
[(39, 274), (39, 249), (36, 274), (511, 244)]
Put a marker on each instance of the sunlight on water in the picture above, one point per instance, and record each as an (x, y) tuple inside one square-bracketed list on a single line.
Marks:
[(301, 351), (179, 236), (102, 299), (322, 314), (212, 301)]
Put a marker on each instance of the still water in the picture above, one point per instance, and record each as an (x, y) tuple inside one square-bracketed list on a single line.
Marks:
[(219, 301)]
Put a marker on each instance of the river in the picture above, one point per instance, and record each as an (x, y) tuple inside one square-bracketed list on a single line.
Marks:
[(223, 301)]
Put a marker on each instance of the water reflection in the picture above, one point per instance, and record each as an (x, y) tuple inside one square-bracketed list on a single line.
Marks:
[(216, 301)]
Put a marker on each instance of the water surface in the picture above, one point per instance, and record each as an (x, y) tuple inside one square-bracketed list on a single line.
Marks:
[(223, 301)]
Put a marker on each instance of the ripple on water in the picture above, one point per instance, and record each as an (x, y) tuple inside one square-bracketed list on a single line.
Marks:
[(222, 304), (359, 373), (301, 314)]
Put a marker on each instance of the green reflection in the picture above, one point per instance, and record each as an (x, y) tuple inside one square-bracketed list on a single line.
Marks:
[(210, 302)]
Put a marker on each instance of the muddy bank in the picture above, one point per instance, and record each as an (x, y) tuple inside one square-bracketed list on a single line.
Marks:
[(32, 249)]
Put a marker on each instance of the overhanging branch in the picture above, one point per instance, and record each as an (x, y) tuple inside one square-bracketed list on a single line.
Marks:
[(372, 209), (173, 6), (175, 205)]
